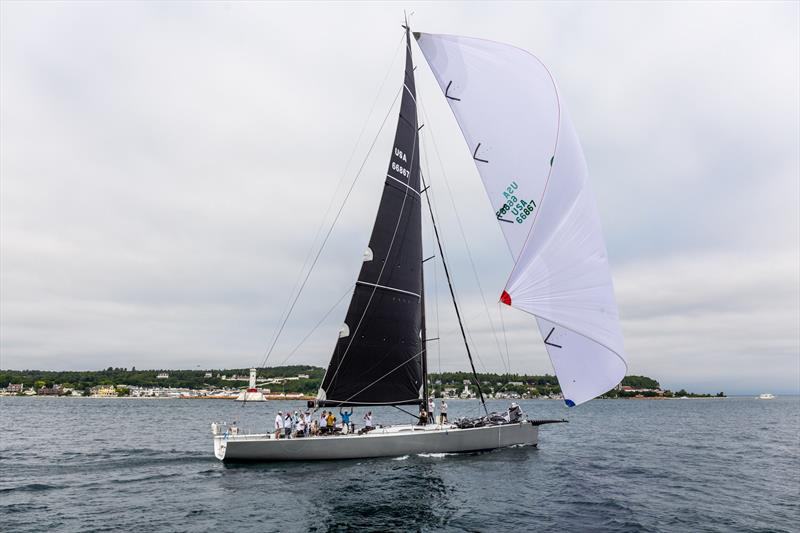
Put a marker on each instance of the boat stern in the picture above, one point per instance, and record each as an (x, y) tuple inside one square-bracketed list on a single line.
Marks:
[(220, 440)]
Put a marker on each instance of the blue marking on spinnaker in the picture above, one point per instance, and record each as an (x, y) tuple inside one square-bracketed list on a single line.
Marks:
[(569, 403)]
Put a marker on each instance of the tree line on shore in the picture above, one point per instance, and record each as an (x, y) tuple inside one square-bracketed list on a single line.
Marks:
[(220, 378), (189, 379)]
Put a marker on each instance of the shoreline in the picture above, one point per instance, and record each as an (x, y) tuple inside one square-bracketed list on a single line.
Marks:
[(307, 398)]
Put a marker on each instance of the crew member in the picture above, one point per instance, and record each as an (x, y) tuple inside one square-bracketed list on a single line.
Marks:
[(278, 424), (423, 416), (323, 423), (346, 420), (287, 425)]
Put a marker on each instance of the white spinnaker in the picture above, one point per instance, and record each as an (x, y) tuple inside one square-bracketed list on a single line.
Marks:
[(532, 166)]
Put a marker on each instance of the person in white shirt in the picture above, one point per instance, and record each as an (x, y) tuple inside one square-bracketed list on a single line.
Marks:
[(443, 412), (431, 409), (323, 421), (368, 421), (278, 424)]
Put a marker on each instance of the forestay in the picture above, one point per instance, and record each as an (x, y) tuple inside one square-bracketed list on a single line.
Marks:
[(532, 166)]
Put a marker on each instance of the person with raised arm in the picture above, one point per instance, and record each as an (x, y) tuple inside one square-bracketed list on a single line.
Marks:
[(346, 428)]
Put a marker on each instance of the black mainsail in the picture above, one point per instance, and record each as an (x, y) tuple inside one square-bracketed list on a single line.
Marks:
[(378, 358)]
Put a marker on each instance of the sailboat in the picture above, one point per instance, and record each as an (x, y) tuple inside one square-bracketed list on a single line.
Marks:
[(530, 161)]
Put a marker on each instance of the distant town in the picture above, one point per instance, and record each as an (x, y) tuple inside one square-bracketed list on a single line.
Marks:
[(289, 382)]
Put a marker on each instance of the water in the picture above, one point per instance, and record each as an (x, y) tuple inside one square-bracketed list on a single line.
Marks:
[(74, 464)]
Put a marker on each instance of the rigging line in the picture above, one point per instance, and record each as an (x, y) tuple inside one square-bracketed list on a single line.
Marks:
[(371, 295), (453, 295), (419, 353), (388, 253), (455, 298), (330, 230), (412, 415), (338, 186), (469, 333), (391, 371), (438, 238), (436, 308), (475, 349), (464, 238), (349, 289), (435, 269), (380, 275)]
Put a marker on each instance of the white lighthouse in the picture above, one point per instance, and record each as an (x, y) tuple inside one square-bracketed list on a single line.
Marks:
[(252, 394)]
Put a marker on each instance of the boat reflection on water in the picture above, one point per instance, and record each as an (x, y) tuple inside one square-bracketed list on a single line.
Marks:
[(411, 492), (404, 494)]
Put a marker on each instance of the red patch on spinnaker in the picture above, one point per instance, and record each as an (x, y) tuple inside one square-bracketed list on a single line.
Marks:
[(505, 298)]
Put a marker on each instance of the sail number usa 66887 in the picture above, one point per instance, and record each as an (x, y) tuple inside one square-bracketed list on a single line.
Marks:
[(520, 209)]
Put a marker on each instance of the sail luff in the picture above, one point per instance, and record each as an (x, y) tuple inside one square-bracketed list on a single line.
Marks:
[(378, 356)]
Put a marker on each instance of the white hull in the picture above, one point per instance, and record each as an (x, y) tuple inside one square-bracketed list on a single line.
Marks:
[(392, 441)]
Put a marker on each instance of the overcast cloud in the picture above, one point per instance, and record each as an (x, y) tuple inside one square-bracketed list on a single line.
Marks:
[(164, 169)]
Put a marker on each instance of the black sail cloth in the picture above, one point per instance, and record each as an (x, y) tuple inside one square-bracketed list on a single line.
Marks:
[(378, 356)]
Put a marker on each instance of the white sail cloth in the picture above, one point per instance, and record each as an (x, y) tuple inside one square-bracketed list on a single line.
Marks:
[(532, 166)]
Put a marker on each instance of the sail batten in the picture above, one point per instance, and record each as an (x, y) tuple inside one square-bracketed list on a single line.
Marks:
[(379, 362), (529, 158)]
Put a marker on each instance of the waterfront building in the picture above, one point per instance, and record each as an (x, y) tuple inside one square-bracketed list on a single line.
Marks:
[(104, 391), (55, 390)]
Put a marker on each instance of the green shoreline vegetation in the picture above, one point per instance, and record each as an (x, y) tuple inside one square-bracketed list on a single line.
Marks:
[(306, 380)]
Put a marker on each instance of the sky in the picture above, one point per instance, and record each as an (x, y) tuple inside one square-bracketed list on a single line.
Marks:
[(165, 169)]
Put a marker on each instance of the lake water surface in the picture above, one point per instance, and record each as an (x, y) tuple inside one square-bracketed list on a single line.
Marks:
[(75, 464)]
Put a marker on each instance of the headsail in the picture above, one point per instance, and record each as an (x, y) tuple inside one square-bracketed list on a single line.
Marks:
[(378, 356), (532, 166)]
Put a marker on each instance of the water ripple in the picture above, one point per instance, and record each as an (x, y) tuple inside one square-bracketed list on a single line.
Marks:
[(618, 466)]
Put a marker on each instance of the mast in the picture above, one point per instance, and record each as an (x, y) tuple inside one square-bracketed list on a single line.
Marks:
[(424, 331)]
